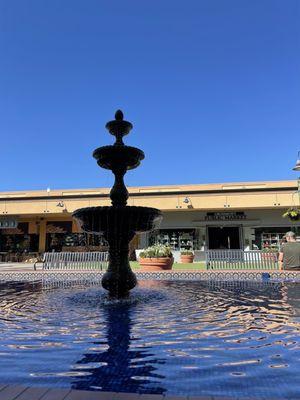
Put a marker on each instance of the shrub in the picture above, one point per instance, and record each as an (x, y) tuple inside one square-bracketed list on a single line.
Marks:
[(156, 251), (187, 253), (292, 213), (270, 250)]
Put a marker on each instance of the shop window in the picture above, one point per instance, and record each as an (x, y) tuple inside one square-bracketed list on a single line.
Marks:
[(17, 240), (55, 234), (270, 238), (59, 237), (183, 239)]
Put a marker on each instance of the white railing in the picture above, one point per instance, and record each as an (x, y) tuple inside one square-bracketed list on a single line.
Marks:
[(240, 259), (93, 260)]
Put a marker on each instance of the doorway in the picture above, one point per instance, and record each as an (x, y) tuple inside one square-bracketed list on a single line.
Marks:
[(224, 237)]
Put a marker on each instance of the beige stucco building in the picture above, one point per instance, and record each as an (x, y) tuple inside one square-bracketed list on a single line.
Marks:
[(225, 215)]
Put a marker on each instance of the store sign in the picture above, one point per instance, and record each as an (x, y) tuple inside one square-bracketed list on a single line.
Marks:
[(8, 223), (225, 216)]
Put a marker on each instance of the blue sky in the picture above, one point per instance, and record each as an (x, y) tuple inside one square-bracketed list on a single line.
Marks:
[(211, 86)]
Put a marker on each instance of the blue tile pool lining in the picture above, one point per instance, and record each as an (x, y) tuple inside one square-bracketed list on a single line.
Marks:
[(94, 277), (231, 281)]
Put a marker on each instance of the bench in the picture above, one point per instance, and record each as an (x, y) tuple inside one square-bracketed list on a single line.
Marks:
[(240, 259), (92, 260)]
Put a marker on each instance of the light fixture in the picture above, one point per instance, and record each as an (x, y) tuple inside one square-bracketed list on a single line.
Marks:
[(297, 166), (60, 204), (186, 200)]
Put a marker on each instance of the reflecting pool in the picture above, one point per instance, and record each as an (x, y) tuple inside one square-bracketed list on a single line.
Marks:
[(182, 338)]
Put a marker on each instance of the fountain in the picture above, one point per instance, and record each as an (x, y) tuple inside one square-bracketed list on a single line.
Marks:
[(118, 223)]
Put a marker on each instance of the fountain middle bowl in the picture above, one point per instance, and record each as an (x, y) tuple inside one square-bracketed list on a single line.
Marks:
[(110, 157), (109, 219)]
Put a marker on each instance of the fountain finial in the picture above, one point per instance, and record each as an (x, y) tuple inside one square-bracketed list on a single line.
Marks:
[(118, 127), (119, 116)]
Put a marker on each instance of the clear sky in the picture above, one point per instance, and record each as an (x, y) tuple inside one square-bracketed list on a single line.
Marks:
[(212, 88)]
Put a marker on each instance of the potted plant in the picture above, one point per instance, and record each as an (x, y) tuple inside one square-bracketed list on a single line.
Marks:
[(156, 258), (293, 213), (269, 253), (187, 256)]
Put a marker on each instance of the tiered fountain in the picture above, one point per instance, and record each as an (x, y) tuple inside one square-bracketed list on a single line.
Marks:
[(118, 223)]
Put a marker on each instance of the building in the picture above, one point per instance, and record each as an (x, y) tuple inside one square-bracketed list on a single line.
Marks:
[(215, 216)]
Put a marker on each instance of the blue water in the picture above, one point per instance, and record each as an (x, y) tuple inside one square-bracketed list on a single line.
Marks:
[(183, 338)]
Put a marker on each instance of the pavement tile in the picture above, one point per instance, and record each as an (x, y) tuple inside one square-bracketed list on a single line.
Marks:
[(89, 395), (126, 396), (11, 392), (54, 394), (32, 393), (232, 398), (153, 397)]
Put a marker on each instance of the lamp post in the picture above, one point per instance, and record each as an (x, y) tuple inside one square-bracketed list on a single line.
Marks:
[(297, 168)]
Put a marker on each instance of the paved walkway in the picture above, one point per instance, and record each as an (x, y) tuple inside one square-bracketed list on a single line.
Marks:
[(12, 392), (17, 267)]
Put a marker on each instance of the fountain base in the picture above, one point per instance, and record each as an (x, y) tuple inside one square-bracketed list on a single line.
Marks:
[(117, 284)]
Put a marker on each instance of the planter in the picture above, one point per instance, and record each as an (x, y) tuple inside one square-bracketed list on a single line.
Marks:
[(187, 258), (293, 214), (269, 256), (296, 218), (156, 264)]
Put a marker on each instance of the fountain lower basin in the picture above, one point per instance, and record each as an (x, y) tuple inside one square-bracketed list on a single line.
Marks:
[(108, 220), (118, 225)]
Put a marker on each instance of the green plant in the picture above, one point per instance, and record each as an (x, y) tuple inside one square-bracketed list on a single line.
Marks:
[(187, 253), (270, 250), (293, 213), (156, 251)]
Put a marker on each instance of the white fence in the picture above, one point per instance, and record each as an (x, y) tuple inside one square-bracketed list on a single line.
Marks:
[(240, 259), (93, 260)]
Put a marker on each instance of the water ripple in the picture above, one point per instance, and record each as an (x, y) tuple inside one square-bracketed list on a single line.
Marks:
[(180, 338)]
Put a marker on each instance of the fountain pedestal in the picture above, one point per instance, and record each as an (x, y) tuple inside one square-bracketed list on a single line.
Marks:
[(119, 278), (119, 222)]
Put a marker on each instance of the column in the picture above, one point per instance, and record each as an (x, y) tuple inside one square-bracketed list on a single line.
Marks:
[(42, 236)]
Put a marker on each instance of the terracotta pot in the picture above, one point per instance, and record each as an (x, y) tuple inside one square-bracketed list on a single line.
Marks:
[(269, 256), (156, 264), (187, 258)]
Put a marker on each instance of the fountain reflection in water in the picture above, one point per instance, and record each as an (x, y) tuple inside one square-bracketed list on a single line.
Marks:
[(119, 222), (114, 367)]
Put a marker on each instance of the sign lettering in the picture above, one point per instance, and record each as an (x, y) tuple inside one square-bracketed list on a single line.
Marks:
[(225, 216)]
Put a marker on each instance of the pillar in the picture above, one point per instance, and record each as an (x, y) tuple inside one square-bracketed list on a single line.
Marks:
[(42, 236)]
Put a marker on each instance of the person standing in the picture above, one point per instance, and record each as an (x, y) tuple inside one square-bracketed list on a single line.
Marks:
[(289, 254)]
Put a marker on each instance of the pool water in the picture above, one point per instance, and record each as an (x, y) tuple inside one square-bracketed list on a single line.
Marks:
[(238, 339)]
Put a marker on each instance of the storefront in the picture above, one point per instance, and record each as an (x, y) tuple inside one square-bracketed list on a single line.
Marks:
[(195, 217), (222, 230)]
